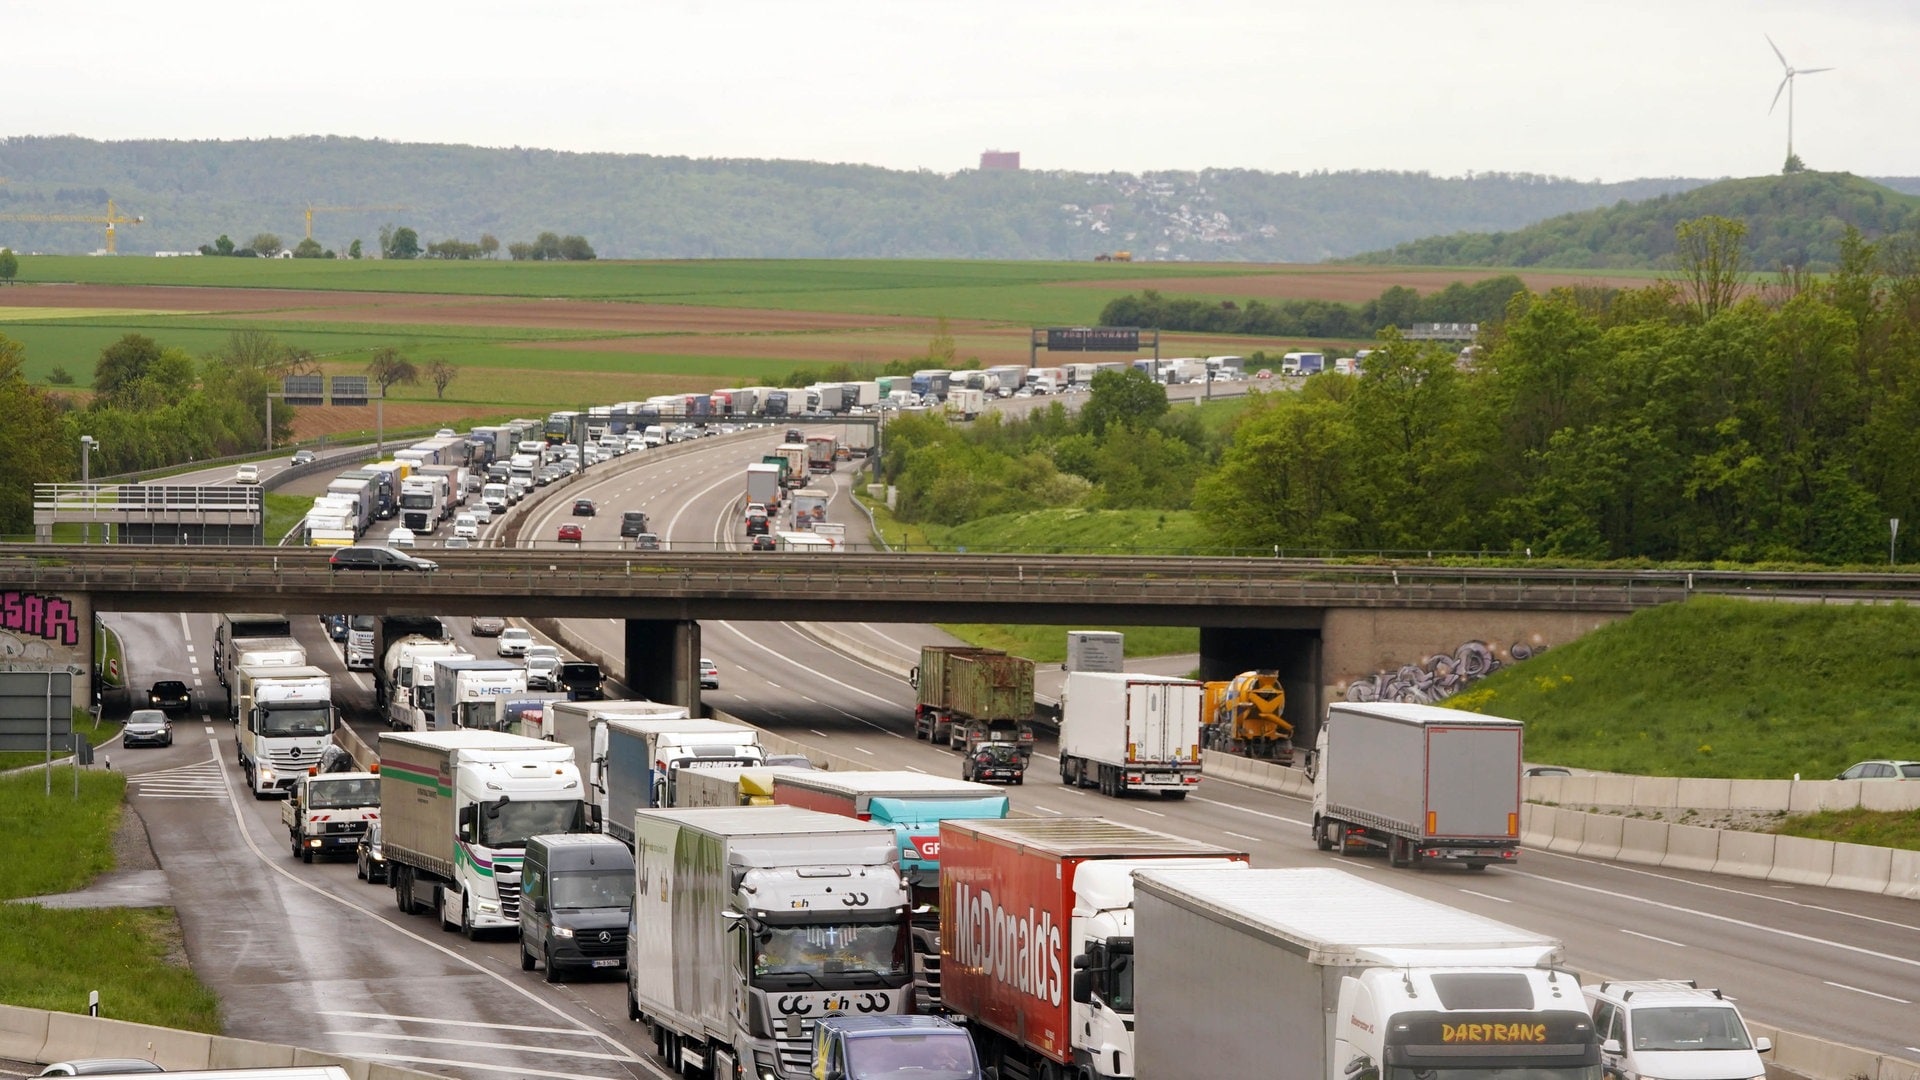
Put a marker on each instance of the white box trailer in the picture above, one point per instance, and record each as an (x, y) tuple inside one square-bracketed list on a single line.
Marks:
[(1317, 974), (1421, 782), (1124, 732)]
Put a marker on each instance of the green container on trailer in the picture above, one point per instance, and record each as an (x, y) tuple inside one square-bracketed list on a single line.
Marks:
[(975, 683)]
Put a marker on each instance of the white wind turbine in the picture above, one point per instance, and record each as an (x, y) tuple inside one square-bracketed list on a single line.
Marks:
[(1786, 86)]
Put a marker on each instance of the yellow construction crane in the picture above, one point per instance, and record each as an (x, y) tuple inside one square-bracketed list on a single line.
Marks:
[(312, 210), (112, 218)]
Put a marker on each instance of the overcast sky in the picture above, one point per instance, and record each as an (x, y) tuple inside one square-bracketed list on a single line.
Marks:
[(1617, 90)]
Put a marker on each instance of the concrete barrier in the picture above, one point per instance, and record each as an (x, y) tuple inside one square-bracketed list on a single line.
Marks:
[(1652, 791), (23, 1032), (229, 1053), (842, 643), (1893, 1068), (1903, 874), (1613, 790), (1760, 794), (1801, 861), (70, 1035), (1862, 868), (1643, 840), (1690, 847), (1569, 831), (1603, 837), (1702, 794), (1537, 824), (1743, 854), (1808, 1056)]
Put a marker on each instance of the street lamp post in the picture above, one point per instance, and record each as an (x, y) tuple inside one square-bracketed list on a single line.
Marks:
[(87, 443)]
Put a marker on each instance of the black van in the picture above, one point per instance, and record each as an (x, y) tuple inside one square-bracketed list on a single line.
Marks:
[(575, 891)]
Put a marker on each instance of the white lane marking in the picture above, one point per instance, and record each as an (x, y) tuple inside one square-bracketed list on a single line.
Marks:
[(1048, 810), (1486, 896), (1241, 836), (820, 733), (1681, 909), (864, 750), (918, 769), (509, 1047), (1650, 937), (436, 1021), (186, 632), (1249, 810), (1869, 993), (1144, 810), (514, 1069), (273, 866)]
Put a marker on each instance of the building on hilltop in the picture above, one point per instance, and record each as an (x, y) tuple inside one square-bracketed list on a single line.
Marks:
[(1001, 160)]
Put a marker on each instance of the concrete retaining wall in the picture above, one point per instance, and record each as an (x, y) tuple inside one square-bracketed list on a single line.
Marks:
[(1689, 793), (37, 1035)]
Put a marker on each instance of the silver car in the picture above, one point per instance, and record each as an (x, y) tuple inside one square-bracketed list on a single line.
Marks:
[(147, 727)]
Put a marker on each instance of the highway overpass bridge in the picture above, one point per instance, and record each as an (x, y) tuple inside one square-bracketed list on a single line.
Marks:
[(1336, 629)]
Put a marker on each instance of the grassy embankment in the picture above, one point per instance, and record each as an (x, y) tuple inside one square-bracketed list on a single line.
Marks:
[(1729, 688), (51, 958)]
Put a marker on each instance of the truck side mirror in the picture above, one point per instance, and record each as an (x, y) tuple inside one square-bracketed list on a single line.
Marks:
[(540, 905), (1082, 984)]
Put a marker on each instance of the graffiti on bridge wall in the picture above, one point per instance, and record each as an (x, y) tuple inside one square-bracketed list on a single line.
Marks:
[(1439, 676), (24, 615)]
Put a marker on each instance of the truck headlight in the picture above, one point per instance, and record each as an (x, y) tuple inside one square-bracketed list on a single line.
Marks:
[(563, 931), (267, 774), (489, 907)]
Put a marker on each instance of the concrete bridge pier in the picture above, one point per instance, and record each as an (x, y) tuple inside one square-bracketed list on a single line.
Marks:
[(1226, 651), (663, 660)]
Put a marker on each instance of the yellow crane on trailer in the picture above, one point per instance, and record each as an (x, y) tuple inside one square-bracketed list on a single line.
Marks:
[(312, 210), (113, 217)]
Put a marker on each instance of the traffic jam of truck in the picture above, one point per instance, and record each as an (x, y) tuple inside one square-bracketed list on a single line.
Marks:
[(787, 922)]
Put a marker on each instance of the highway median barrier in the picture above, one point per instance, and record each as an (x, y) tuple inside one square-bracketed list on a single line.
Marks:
[(1861, 868), (1702, 794), (1743, 854), (1604, 836), (23, 1032), (1903, 874), (1569, 832), (1799, 860)]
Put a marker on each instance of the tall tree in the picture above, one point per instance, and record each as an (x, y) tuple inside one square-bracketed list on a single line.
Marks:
[(489, 245), (404, 245), (266, 245), (389, 369), (121, 366), (440, 372), (36, 450), (1711, 253), (9, 265), (1123, 398)]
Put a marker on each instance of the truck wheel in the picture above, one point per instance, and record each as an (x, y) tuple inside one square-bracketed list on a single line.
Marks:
[(466, 920), (306, 854), (1320, 838), (398, 878), (1346, 846)]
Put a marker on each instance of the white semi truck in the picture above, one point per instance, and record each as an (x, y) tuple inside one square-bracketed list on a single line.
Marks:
[(285, 721), (750, 924), (1316, 974), (457, 808), (1123, 732), (460, 691), (402, 666)]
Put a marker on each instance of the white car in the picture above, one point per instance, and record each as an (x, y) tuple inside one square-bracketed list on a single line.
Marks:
[(543, 667), (401, 536), (467, 525), (481, 511), (514, 641), (1673, 1030), (247, 474)]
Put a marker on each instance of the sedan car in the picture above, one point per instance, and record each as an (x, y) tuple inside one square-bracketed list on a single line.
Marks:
[(543, 667), (170, 696), (1882, 770), (709, 674), (371, 557), (486, 625), (400, 536), (765, 542), (147, 727), (301, 457), (570, 532), (514, 641), (370, 862), (583, 508)]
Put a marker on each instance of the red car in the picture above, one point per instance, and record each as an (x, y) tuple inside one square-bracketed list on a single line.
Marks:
[(570, 531)]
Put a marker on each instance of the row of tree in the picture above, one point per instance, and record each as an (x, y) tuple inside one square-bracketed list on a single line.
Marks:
[(1703, 418), (1460, 302)]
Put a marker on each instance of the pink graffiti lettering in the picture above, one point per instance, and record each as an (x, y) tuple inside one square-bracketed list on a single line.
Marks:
[(49, 617)]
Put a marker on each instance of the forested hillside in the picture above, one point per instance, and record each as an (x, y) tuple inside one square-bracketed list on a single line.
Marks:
[(638, 206), (1793, 220)]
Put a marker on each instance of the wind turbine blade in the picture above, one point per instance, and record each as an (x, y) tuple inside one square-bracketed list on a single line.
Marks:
[(1809, 71), (1776, 51), (1777, 93)]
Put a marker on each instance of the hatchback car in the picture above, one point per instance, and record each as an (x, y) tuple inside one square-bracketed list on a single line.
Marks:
[(758, 525), (543, 667), (570, 532), (370, 862), (482, 511), (709, 674), (646, 542), (1673, 1030), (458, 542), (514, 641), (247, 474), (486, 625), (1882, 770), (371, 557), (147, 727), (765, 542), (583, 508), (170, 696)]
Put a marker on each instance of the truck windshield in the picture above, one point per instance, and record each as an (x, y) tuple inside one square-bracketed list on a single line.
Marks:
[(416, 501), (577, 889), (941, 1056), (829, 955), (289, 720), (509, 823), (1117, 986), (341, 794), (477, 714)]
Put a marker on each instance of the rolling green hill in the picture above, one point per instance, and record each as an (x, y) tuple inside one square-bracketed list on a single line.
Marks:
[(641, 206), (1792, 220)]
